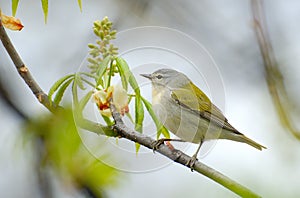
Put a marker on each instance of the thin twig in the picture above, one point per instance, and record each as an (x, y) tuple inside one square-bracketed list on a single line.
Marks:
[(23, 70), (178, 156), (274, 77), (121, 130)]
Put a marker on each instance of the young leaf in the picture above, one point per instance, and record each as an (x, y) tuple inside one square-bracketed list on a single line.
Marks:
[(57, 84), (139, 117), (139, 114), (61, 91), (110, 74), (137, 148), (107, 120), (89, 75), (85, 100), (75, 94), (123, 77), (14, 6), (129, 76), (160, 128), (80, 5), (101, 69), (79, 81), (45, 9)]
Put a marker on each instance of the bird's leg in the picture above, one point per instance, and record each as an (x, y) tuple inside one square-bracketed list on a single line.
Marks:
[(157, 143), (191, 162)]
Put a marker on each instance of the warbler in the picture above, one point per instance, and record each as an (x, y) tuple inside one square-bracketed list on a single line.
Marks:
[(188, 113)]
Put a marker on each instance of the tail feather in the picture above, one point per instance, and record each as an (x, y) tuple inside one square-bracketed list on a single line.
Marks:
[(251, 142), (239, 137)]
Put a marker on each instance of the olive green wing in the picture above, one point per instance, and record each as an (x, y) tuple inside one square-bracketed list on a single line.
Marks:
[(197, 102)]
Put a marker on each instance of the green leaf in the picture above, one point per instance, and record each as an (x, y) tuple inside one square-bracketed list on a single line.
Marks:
[(102, 69), (80, 5), (139, 108), (89, 75), (61, 91), (137, 148), (139, 114), (107, 120), (123, 76), (14, 6), (57, 84), (85, 100), (79, 82), (45, 9), (129, 76), (159, 126), (110, 74), (75, 94)]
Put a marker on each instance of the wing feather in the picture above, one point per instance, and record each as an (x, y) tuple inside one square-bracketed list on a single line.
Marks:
[(197, 102)]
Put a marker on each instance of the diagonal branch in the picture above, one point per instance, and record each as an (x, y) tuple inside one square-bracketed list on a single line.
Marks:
[(178, 156), (23, 70), (119, 128)]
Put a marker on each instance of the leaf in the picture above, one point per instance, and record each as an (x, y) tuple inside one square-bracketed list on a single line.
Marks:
[(139, 108), (137, 148), (107, 120), (57, 84), (159, 126), (80, 5), (123, 77), (102, 68), (61, 91), (10, 22), (110, 74), (45, 9), (129, 76), (75, 94), (89, 75), (79, 82), (139, 114), (85, 100), (14, 6)]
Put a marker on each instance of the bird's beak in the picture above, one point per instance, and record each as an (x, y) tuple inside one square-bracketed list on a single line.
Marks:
[(146, 76)]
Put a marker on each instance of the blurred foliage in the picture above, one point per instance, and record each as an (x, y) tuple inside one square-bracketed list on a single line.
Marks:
[(273, 75), (65, 153), (45, 3)]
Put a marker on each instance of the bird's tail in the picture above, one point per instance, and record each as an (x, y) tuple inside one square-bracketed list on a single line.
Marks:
[(239, 137), (247, 140)]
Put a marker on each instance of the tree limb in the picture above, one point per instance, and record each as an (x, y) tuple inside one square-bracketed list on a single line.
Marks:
[(178, 156), (120, 129)]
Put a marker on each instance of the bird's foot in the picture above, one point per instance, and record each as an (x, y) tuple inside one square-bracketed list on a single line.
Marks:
[(191, 162), (155, 145)]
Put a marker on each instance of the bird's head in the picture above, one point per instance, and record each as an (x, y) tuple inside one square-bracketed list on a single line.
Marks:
[(167, 78)]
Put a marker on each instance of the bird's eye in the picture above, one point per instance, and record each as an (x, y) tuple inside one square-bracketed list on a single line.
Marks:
[(159, 76)]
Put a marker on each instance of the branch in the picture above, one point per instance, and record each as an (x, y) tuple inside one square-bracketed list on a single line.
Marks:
[(23, 70), (178, 156), (120, 129), (273, 75)]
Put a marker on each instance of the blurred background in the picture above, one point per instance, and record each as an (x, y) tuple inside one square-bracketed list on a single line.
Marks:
[(225, 29)]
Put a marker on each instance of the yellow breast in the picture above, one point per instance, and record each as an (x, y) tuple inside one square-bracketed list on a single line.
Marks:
[(156, 96)]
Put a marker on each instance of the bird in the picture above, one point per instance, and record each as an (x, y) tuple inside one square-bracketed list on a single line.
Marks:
[(188, 113)]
